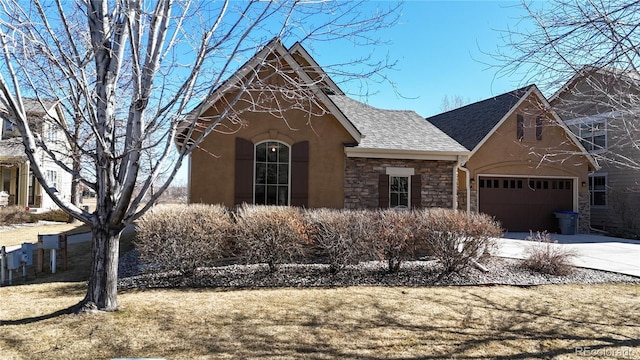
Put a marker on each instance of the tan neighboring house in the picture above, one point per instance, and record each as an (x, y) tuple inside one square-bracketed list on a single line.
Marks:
[(524, 163), (600, 106), (16, 179)]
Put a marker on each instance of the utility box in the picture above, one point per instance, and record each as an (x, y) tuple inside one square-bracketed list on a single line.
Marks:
[(50, 242), (17, 258)]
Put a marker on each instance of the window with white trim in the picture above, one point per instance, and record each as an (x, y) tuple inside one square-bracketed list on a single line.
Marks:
[(52, 179), (598, 190), (399, 191), (400, 187), (593, 135), (51, 133), (272, 173)]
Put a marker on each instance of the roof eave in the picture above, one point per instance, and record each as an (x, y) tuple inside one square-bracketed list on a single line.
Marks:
[(357, 152)]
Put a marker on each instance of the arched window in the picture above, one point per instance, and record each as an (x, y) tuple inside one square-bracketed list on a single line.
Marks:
[(272, 173)]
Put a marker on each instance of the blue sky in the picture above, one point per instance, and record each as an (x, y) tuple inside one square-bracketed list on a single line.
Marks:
[(441, 48)]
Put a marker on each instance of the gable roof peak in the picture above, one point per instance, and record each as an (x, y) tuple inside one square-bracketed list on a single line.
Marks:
[(472, 123)]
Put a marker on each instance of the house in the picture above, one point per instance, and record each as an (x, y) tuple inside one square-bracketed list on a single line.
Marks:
[(316, 147), (16, 178), (600, 106), (524, 163), (311, 145)]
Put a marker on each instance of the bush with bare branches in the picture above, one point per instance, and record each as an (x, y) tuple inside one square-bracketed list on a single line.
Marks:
[(397, 230), (457, 239), (342, 237), (185, 237), (271, 234), (544, 256), (10, 215)]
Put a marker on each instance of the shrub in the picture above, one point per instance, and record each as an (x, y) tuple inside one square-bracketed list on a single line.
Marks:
[(546, 257), (271, 234), (397, 229), (185, 237), (10, 215), (342, 237), (455, 238), (53, 215)]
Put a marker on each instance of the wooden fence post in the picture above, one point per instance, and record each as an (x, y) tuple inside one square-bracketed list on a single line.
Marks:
[(63, 251), (3, 265), (40, 250)]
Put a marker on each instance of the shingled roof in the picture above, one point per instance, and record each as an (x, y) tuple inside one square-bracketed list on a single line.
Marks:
[(12, 149), (394, 129), (471, 123)]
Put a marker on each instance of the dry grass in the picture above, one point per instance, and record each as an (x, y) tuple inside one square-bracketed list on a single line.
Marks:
[(355, 322)]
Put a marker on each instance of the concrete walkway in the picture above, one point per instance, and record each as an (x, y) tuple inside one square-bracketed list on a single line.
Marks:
[(593, 251)]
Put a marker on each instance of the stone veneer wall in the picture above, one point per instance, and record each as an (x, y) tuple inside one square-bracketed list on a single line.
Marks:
[(584, 210), (362, 174), (462, 200)]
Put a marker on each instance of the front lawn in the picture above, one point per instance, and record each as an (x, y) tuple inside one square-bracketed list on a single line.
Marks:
[(353, 322)]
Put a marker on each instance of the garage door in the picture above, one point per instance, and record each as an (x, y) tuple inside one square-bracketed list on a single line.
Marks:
[(523, 204)]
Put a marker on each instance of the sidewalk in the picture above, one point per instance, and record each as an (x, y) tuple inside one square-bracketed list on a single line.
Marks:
[(593, 251)]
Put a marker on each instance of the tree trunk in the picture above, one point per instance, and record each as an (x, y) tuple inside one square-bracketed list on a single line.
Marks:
[(76, 193), (103, 283)]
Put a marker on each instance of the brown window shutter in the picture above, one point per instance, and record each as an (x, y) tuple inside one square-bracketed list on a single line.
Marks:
[(416, 191), (520, 128), (300, 174), (383, 191), (243, 179), (539, 128)]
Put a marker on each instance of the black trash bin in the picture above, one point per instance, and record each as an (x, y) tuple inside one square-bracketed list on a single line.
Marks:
[(567, 221)]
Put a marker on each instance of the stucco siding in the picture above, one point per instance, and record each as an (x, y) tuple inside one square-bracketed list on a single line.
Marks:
[(552, 156), (212, 166)]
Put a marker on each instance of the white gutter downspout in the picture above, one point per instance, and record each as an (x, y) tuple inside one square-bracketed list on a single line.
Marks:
[(460, 166), (455, 185), (189, 179)]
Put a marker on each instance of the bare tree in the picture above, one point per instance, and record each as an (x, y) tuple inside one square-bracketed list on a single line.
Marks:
[(456, 101), (592, 48), (130, 71)]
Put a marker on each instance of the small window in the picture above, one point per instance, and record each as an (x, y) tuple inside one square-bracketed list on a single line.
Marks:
[(594, 135), (51, 133), (52, 179), (598, 190), (398, 191)]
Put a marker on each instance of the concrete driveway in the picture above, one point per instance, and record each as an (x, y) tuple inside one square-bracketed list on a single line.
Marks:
[(593, 251)]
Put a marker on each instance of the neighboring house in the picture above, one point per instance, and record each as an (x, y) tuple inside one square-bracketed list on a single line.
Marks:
[(601, 107), (524, 163), (333, 151), (16, 178)]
